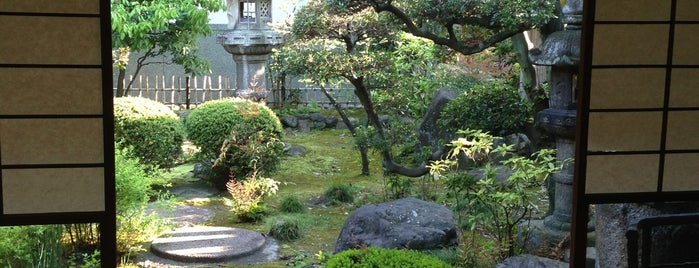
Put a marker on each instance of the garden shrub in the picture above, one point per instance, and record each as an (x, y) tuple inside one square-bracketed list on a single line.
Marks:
[(285, 227), (492, 211), (340, 193), (241, 135), (31, 246), (380, 257), (133, 192), (494, 107), (151, 128), (292, 204)]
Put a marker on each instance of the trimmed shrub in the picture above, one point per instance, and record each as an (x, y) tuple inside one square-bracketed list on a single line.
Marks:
[(494, 107), (242, 136), (381, 257), (151, 128)]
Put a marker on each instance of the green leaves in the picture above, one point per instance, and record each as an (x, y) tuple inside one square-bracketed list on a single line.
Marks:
[(164, 27), (490, 204)]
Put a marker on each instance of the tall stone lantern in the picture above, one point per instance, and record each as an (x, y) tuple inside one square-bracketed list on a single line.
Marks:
[(561, 51), (250, 40)]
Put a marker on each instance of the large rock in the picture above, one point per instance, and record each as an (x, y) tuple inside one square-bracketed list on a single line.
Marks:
[(405, 223), (429, 132)]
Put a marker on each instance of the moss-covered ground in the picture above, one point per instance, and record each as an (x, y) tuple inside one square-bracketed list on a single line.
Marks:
[(330, 159)]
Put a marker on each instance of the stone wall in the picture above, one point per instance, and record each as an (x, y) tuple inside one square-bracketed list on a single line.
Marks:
[(314, 121)]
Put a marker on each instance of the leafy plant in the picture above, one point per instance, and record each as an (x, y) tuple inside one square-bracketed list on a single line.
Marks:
[(85, 260), (301, 260), (494, 107), (153, 131), (133, 192), (381, 257), (490, 207), (247, 197), (31, 246)]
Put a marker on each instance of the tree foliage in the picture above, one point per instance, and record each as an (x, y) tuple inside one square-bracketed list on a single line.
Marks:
[(466, 26), (348, 40), (161, 27)]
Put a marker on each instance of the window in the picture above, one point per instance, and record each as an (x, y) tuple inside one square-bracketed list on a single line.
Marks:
[(247, 12)]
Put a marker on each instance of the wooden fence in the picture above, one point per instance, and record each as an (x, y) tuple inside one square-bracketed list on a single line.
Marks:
[(180, 92)]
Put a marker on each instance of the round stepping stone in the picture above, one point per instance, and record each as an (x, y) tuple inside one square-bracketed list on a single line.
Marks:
[(207, 244)]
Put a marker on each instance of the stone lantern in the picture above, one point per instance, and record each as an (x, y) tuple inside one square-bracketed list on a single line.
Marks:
[(250, 40), (561, 51)]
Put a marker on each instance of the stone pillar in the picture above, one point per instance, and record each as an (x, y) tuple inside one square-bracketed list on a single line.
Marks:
[(560, 51)]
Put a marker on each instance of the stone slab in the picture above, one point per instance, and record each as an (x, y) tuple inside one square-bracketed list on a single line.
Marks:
[(207, 244)]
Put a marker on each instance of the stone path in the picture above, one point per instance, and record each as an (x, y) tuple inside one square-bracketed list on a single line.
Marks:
[(194, 245)]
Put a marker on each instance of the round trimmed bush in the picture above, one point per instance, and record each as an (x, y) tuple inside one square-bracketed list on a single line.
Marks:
[(153, 131), (494, 107), (381, 257), (241, 135)]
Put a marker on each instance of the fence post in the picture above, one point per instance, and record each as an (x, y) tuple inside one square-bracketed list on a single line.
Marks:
[(186, 92)]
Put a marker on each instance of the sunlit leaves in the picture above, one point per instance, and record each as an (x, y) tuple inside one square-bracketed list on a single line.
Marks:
[(159, 27)]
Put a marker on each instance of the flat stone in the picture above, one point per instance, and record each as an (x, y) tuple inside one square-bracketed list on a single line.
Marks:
[(207, 244), (194, 190)]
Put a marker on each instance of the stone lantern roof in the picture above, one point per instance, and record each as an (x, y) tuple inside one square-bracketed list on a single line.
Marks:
[(248, 30), (561, 49)]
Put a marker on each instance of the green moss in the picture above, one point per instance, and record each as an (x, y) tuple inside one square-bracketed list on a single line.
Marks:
[(380, 257)]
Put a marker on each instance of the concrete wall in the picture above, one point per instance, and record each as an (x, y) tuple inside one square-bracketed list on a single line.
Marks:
[(221, 61)]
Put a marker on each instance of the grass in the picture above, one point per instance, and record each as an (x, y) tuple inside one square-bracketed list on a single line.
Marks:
[(330, 159)]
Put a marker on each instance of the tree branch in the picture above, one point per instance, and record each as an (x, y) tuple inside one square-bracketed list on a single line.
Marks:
[(452, 42)]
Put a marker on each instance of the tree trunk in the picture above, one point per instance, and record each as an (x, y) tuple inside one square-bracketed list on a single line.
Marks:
[(362, 93), (120, 83), (363, 149)]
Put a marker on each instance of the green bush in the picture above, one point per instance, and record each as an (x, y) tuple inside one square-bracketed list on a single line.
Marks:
[(292, 204), (494, 107), (151, 128), (31, 246), (340, 193), (285, 227), (242, 136), (133, 192), (380, 257)]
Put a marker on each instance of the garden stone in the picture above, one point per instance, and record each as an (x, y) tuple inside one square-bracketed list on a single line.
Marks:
[(304, 125), (317, 117), (289, 121), (331, 121), (530, 261), (383, 119), (295, 150), (319, 125), (407, 223), (519, 141), (342, 125), (303, 116), (201, 170)]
